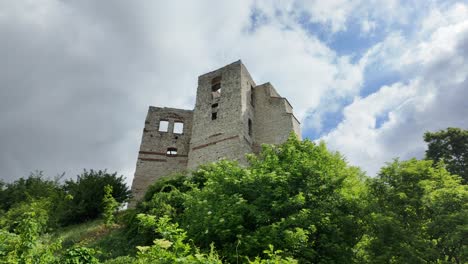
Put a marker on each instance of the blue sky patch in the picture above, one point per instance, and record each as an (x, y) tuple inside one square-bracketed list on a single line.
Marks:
[(381, 119), (330, 121), (375, 78)]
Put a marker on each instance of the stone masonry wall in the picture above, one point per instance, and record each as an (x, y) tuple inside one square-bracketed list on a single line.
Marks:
[(223, 136), (274, 117), (153, 158)]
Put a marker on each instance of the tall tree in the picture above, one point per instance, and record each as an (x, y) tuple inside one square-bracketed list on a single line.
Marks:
[(418, 215), (451, 146)]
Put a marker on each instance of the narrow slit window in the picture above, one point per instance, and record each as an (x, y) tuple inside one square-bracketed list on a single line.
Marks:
[(163, 125), (252, 98), (214, 116), (250, 127), (171, 152), (178, 128)]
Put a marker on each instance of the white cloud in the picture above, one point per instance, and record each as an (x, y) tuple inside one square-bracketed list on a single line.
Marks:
[(334, 13), (368, 25), (433, 98), (370, 15)]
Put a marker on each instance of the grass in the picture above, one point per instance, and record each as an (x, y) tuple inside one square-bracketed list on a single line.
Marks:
[(80, 234), (110, 241)]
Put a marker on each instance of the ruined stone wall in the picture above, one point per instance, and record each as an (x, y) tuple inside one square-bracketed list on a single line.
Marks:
[(274, 116), (154, 161), (232, 116)]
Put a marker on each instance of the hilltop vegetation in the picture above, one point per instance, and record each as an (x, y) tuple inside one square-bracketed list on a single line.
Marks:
[(295, 203)]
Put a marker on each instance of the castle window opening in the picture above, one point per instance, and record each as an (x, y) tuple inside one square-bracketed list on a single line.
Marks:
[(250, 127), (216, 87), (214, 116), (163, 126), (178, 127), (171, 152), (252, 96), (214, 105)]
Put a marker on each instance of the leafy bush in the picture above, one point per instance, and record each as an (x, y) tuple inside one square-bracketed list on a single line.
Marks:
[(110, 205), (24, 244), (273, 257), (80, 255), (21, 211), (171, 247)]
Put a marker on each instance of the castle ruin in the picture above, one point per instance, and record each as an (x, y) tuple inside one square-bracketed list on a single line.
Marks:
[(232, 116)]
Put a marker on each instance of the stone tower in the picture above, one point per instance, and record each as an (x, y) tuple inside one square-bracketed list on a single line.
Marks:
[(232, 116)]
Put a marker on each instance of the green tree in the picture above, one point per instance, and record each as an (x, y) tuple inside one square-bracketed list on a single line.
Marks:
[(451, 146), (418, 214), (298, 197), (86, 195)]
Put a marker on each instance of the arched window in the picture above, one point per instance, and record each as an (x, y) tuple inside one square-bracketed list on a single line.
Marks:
[(171, 152)]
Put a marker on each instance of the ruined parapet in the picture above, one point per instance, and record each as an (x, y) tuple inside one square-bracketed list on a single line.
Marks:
[(164, 147)]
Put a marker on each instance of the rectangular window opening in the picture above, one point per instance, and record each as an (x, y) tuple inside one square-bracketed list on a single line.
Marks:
[(163, 125), (214, 105), (178, 127), (250, 127), (171, 152), (214, 116)]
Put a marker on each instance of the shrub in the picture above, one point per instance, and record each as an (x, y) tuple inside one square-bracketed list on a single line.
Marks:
[(24, 244), (26, 189), (80, 255), (110, 205)]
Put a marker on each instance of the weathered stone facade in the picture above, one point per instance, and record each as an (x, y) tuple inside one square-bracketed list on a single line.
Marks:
[(232, 116)]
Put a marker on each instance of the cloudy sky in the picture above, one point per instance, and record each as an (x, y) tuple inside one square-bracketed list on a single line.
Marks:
[(368, 77)]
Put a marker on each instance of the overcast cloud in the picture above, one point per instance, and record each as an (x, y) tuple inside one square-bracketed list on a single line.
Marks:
[(368, 77)]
